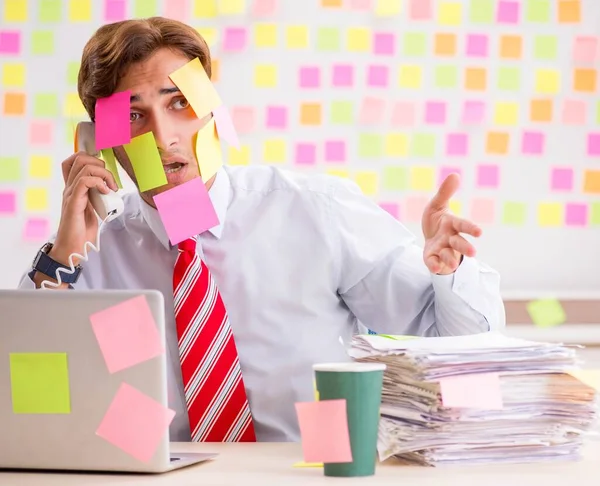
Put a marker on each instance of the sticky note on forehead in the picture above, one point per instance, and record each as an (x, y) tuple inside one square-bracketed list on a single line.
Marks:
[(195, 85)]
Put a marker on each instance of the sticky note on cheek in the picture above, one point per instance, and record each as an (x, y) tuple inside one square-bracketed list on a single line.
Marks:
[(208, 151), (195, 85), (145, 161), (110, 162)]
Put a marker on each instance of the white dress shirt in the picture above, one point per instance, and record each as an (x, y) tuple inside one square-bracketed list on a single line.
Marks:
[(300, 261)]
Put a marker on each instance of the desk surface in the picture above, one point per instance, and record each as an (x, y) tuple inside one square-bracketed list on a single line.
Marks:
[(267, 464)]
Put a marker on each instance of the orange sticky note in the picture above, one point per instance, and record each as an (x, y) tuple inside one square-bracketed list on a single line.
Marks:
[(324, 431), (480, 391), (445, 44), (511, 46), (497, 143), (476, 79), (591, 181), (14, 104), (310, 114), (195, 85), (585, 80), (541, 110), (569, 11)]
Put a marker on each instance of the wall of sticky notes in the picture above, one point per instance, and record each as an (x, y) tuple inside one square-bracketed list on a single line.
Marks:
[(393, 94)]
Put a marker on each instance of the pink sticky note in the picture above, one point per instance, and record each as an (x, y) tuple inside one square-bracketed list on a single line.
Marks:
[(392, 209), (576, 214), (114, 10), (234, 39), (384, 43), (360, 4), (457, 144), (8, 202), (488, 175), (533, 143), (415, 205), (371, 110), (127, 334), (508, 12), (482, 210), (225, 127), (561, 179), (135, 423), (10, 42), (113, 125), (244, 118), (574, 112), (306, 153), (186, 210), (585, 49), (593, 145), (404, 114), (472, 391), (262, 8), (473, 112), (40, 132), (335, 150), (324, 431), (435, 112), (446, 171), (477, 45), (377, 76), (277, 117), (176, 9), (420, 9), (36, 229), (309, 77), (342, 76)]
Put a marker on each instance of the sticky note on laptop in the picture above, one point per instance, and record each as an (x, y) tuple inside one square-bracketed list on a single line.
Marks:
[(195, 85)]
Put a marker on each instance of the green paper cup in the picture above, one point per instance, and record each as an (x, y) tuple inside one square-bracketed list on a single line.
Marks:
[(360, 385)]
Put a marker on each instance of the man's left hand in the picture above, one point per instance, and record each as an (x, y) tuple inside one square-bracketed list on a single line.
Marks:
[(444, 244)]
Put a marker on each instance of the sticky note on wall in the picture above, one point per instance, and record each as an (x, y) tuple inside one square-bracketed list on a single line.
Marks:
[(546, 312)]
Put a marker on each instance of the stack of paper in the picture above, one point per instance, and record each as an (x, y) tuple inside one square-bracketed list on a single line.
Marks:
[(484, 398)]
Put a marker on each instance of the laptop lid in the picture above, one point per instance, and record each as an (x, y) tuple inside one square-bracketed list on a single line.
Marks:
[(83, 380)]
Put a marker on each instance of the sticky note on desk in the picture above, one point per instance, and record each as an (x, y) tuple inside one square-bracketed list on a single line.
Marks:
[(145, 160), (208, 150), (127, 334), (324, 431), (546, 312), (481, 391), (195, 85), (40, 383), (112, 124)]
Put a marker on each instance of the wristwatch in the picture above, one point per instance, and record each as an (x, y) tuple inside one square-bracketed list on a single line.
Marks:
[(48, 266)]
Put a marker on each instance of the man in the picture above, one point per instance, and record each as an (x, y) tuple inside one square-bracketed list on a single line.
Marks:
[(296, 261)]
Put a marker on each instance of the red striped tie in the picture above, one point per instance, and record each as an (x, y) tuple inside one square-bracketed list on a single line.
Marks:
[(212, 378)]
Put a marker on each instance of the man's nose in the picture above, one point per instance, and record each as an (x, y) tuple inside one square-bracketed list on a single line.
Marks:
[(164, 132)]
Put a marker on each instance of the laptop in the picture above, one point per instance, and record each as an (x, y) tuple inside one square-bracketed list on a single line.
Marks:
[(83, 382)]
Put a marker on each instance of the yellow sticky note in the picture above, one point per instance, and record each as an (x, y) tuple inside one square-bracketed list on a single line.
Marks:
[(208, 150), (550, 214), (36, 199), (265, 35), (358, 39), (308, 464), (274, 151), (343, 173), (422, 178), (396, 145), (145, 160), (546, 312), (590, 378), (231, 7), (265, 75), (40, 166), (388, 8), (455, 207), (209, 34), (368, 182), (506, 113), (547, 81), (450, 13), (296, 37), (73, 106), (110, 162), (80, 10), (15, 10), (195, 85), (205, 8), (13, 74), (410, 77), (239, 157)]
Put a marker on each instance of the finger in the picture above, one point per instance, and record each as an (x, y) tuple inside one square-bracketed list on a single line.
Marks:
[(79, 163), (449, 257), (445, 192), (433, 263), (462, 246), (95, 170), (465, 226), (84, 184)]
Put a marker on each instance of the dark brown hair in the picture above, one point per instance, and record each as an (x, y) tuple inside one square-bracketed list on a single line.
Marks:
[(115, 47)]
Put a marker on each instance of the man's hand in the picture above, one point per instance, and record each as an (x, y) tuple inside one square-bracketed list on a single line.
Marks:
[(444, 245)]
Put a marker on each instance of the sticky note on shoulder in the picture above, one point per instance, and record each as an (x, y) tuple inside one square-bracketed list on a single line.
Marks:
[(546, 312), (195, 85)]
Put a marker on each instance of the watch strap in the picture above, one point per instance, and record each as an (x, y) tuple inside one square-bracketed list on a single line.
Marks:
[(45, 264)]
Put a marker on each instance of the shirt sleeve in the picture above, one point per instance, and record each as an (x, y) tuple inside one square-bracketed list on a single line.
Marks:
[(386, 284)]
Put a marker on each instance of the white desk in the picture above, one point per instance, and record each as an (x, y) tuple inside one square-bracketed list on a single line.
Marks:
[(265, 464)]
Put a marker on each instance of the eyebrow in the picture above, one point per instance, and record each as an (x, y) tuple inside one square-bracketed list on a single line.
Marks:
[(162, 91)]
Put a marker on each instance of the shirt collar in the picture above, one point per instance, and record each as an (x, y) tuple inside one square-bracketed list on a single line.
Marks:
[(219, 196)]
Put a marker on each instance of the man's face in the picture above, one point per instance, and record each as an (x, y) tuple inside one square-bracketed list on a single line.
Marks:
[(159, 107)]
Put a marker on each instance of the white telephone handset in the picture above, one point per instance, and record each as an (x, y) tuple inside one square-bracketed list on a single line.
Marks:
[(107, 206)]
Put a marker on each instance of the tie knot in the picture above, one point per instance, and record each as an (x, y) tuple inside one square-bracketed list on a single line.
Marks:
[(188, 245)]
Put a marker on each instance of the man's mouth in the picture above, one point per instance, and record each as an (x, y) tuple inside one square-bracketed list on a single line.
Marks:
[(172, 168)]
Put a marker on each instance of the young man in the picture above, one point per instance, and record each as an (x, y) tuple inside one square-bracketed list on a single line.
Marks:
[(295, 263)]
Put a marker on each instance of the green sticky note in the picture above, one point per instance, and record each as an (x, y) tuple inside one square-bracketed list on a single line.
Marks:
[(40, 383), (546, 312), (545, 47), (414, 44), (49, 10), (72, 72), (514, 213), (482, 11), (509, 79), (146, 163), (598, 112), (370, 145), (423, 145), (395, 178), (328, 39), (45, 105), (145, 8), (595, 213), (342, 112), (537, 10), (42, 42), (398, 337), (110, 162), (10, 169), (446, 76)]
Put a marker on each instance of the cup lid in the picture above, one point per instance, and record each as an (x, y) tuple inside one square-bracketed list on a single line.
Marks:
[(353, 366)]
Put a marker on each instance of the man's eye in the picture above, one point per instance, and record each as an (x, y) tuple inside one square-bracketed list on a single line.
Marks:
[(134, 117), (181, 104)]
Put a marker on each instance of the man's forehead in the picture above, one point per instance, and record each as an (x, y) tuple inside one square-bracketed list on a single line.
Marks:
[(152, 74)]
